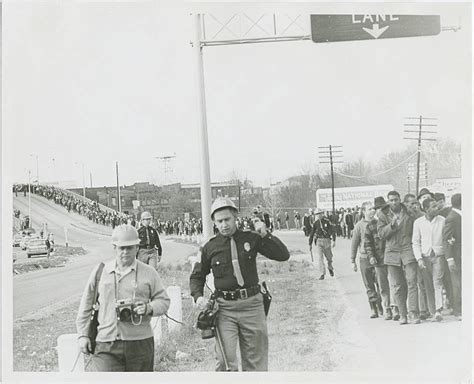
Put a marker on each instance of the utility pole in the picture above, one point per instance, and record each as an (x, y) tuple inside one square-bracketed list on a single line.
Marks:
[(419, 139), (119, 203), (90, 174), (327, 153)]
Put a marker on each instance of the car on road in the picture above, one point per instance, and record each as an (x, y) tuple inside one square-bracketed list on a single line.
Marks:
[(36, 247), (17, 239)]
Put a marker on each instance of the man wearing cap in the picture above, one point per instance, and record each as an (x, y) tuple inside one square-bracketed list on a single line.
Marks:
[(231, 255), (322, 232), (375, 248), (395, 226), (129, 294), (424, 194), (150, 246)]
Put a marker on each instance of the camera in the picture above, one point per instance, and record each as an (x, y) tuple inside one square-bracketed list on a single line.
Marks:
[(125, 309), (206, 321)]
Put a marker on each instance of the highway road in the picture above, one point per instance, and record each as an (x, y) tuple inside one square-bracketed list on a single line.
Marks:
[(36, 291), (439, 348)]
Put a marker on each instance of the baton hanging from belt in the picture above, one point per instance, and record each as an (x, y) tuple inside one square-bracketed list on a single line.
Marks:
[(311, 250)]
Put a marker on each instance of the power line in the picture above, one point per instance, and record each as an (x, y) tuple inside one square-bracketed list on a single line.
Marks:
[(379, 173)]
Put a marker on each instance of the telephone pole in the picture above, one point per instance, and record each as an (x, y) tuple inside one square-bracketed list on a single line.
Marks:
[(419, 139), (327, 153)]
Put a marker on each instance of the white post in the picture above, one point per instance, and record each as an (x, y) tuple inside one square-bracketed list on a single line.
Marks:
[(203, 140), (68, 353), (65, 236), (175, 310)]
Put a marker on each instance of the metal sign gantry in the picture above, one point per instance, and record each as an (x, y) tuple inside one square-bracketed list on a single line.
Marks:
[(245, 28)]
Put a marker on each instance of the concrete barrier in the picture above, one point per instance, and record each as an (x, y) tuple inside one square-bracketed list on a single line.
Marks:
[(155, 323), (68, 353)]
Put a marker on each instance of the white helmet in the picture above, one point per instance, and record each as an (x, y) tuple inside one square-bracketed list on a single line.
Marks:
[(221, 203), (125, 235)]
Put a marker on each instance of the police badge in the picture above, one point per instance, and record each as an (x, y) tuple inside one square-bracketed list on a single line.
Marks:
[(247, 246)]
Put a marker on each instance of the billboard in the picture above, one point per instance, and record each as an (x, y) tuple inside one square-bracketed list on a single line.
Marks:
[(349, 197)]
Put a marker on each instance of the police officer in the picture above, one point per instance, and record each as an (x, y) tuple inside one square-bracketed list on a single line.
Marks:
[(322, 233), (231, 255), (150, 244)]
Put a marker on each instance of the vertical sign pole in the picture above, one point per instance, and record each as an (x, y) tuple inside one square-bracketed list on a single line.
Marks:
[(203, 139), (332, 184), (30, 224), (119, 204)]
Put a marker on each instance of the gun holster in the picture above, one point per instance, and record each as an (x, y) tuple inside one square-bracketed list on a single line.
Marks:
[(267, 297)]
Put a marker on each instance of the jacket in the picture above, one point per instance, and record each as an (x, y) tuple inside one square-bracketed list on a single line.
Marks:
[(398, 248), (452, 233), (374, 246)]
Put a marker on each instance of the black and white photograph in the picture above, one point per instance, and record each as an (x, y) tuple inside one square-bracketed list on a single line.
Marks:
[(278, 191)]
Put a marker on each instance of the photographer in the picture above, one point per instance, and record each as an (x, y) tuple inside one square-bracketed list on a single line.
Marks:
[(231, 255), (129, 294)]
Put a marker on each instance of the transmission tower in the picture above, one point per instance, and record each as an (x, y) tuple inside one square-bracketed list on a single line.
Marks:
[(167, 169)]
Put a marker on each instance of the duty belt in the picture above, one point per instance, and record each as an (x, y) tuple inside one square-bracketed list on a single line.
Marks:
[(239, 293)]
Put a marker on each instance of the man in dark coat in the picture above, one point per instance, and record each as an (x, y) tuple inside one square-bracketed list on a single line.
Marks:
[(452, 236)]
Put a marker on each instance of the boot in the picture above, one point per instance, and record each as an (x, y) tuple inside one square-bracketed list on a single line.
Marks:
[(373, 307), (388, 314), (396, 313)]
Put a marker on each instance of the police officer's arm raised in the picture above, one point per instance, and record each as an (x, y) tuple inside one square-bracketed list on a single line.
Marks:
[(269, 245)]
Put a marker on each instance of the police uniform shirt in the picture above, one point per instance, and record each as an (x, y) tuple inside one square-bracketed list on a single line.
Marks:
[(150, 240), (322, 229), (216, 255)]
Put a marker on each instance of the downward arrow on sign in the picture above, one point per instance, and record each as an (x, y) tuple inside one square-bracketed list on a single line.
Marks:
[(375, 31)]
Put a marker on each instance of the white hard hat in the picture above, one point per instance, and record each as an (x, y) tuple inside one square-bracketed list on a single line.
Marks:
[(220, 203), (125, 235), (146, 215)]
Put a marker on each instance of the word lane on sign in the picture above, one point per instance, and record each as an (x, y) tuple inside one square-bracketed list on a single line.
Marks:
[(333, 28)]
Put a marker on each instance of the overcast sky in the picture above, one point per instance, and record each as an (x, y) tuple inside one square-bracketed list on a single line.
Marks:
[(95, 83)]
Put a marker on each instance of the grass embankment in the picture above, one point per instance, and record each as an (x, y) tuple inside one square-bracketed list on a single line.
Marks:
[(58, 258), (300, 326)]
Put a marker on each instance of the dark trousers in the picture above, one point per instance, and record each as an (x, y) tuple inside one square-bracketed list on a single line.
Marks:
[(403, 281), (448, 285), (368, 277), (382, 280), (456, 279), (125, 356)]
